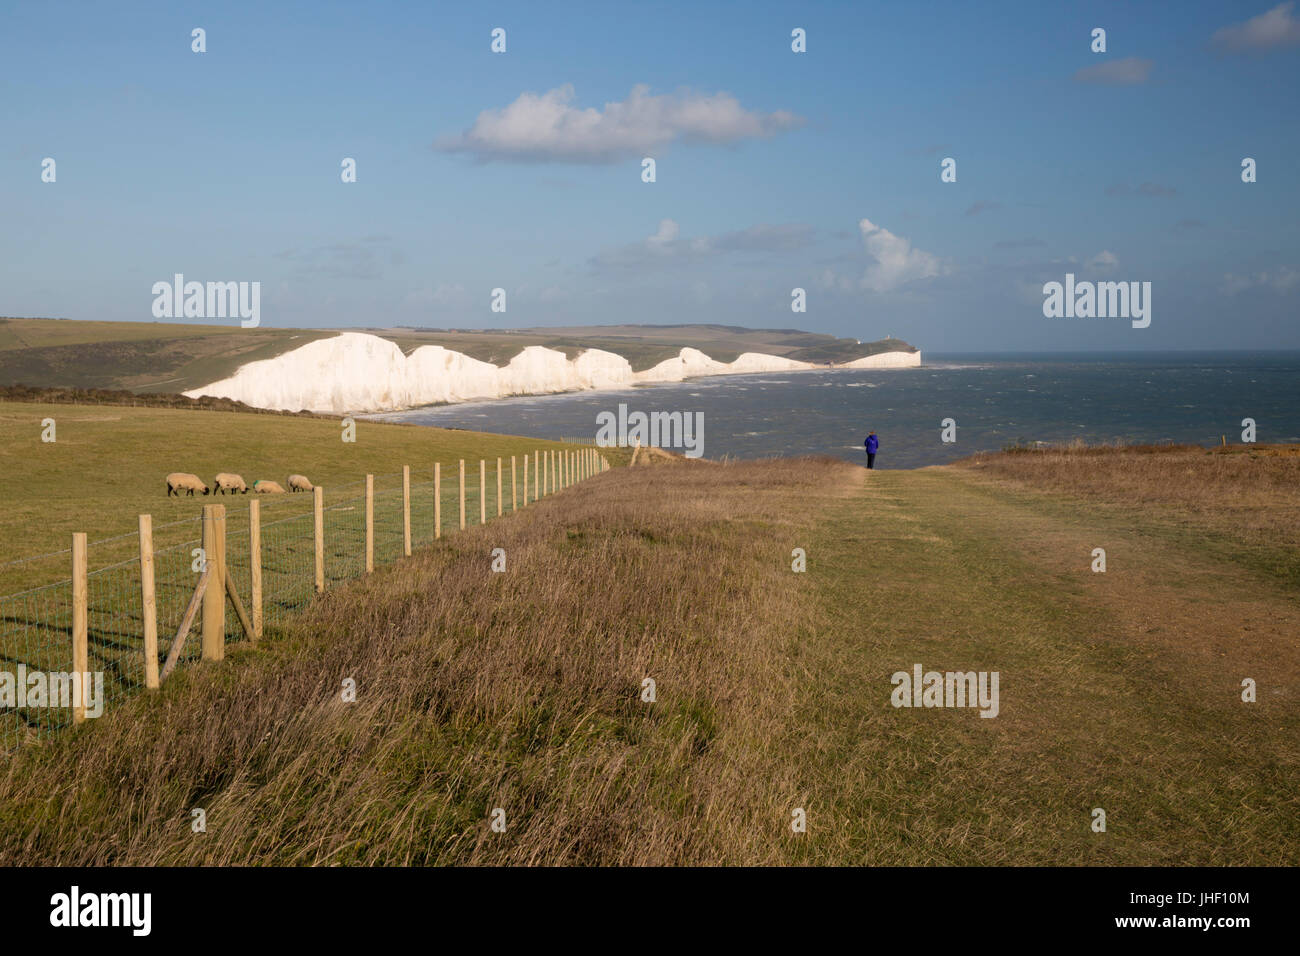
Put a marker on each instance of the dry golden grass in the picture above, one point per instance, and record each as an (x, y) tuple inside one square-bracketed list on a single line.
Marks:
[(522, 690), (1239, 494), (1185, 476), (478, 690)]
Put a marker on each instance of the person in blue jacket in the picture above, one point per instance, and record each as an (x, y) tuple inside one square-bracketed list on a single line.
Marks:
[(872, 444)]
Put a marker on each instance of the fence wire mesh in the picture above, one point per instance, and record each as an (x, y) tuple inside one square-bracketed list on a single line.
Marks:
[(36, 624)]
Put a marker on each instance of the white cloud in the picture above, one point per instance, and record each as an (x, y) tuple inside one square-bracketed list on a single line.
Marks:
[(1268, 31), (668, 231), (1103, 261), (1126, 71), (894, 261), (549, 128)]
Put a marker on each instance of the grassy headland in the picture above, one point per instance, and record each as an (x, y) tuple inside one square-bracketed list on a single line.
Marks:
[(140, 356), (523, 690), (175, 357)]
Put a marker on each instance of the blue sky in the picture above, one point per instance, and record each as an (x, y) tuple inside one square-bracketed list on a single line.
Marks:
[(775, 170)]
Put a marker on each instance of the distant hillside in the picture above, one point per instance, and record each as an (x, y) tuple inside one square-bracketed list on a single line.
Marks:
[(174, 357), (644, 345), (139, 356)]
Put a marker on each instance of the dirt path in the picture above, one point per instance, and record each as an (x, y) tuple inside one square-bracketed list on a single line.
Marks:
[(1119, 691), (1221, 619)]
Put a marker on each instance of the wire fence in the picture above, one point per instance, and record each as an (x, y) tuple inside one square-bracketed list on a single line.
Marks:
[(38, 631)]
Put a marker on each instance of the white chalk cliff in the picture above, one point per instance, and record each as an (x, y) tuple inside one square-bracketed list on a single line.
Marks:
[(356, 372)]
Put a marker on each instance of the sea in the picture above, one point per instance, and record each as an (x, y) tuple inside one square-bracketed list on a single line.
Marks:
[(994, 400)]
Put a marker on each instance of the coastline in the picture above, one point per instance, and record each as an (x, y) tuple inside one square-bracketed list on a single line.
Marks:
[(355, 372)]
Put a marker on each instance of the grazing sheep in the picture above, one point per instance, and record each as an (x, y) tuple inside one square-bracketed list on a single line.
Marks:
[(299, 483), (228, 482), (264, 487), (179, 481)]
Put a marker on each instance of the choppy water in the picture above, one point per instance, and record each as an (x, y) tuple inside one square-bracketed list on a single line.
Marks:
[(996, 400)]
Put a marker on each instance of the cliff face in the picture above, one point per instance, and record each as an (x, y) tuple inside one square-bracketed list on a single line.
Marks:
[(355, 372)]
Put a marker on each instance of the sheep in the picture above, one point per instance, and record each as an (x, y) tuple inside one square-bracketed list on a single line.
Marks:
[(227, 481), (179, 481), (299, 483), (264, 487)]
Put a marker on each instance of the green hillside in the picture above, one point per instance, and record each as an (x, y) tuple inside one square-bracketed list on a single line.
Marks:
[(174, 357)]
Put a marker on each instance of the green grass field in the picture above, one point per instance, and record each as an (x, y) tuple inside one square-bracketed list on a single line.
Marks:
[(107, 466)]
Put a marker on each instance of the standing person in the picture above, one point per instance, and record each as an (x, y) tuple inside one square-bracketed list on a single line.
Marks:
[(872, 443)]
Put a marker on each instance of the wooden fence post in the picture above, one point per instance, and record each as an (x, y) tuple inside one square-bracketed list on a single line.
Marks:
[(80, 626), (370, 523), (514, 494), (500, 503), (214, 597), (462, 494), (482, 491), (318, 508), (148, 603), (437, 499), (255, 566), (406, 510), (537, 472)]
